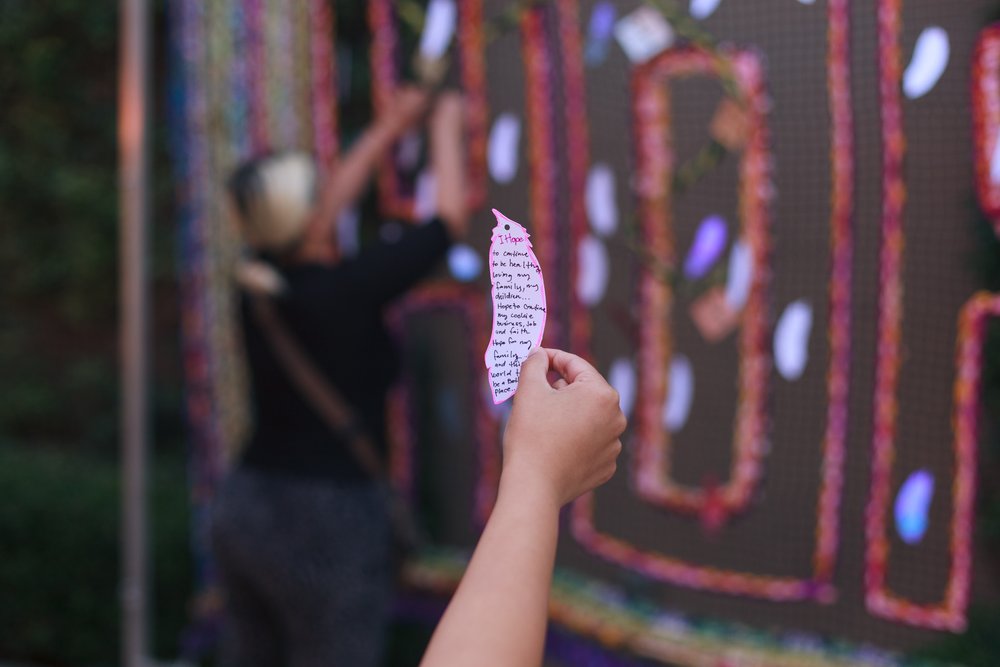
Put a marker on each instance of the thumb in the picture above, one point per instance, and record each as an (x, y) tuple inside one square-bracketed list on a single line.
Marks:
[(534, 369)]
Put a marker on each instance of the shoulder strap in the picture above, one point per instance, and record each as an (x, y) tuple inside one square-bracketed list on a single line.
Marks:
[(316, 389)]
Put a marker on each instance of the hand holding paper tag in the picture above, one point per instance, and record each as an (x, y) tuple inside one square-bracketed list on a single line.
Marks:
[(518, 305), (430, 62)]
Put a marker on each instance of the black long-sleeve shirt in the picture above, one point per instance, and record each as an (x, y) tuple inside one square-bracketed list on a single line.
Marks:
[(335, 314)]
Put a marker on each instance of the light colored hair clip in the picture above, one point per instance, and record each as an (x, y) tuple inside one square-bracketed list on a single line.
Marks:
[(260, 278)]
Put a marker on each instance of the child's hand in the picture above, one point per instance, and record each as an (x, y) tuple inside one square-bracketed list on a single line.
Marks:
[(562, 436)]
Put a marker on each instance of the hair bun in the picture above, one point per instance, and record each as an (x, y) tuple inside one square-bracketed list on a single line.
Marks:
[(275, 196)]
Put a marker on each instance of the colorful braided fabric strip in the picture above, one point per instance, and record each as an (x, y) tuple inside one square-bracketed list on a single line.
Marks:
[(636, 628), (654, 161), (986, 120), (949, 614), (659, 566), (469, 306)]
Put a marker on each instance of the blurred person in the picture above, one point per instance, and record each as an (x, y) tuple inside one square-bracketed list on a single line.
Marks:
[(561, 441), (300, 528)]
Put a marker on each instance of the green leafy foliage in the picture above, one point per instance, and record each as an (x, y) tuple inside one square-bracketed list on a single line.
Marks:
[(57, 154), (59, 524), (58, 221), (60, 544)]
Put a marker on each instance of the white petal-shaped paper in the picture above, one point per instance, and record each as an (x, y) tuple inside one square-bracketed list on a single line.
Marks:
[(680, 394), (791, 340), (505, 137), (643, 33), (708, 245), (425, 196), (602, 208), (519, 310), (439, 28), (602, 24), (739, 276), (592, 270), (995, 162), (464, 263), (930, 59), (701, 9), (500, 411), (912, 504), (621, 376)]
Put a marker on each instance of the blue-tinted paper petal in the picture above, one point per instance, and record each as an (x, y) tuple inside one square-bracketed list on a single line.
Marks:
[(602, 24), (912, 504), (709, 243)]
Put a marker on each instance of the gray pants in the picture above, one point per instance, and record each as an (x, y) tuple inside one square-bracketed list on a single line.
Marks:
[(305, 569)]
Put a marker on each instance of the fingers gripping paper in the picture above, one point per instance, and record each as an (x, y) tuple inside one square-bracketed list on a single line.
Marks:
[(518, 305)]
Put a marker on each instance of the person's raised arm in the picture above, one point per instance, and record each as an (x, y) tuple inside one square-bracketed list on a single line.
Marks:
[(447, 134), (349, 176), (386, 269), (561, 441)]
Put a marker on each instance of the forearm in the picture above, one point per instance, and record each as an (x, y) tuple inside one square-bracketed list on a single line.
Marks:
[(499, 612), (562, 440), (448, 162), (350, 176)]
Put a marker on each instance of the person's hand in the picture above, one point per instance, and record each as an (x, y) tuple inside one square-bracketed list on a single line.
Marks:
[(407, 107), (563, 436)]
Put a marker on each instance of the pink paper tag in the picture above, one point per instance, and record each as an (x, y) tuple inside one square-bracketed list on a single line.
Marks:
[(518, 305)]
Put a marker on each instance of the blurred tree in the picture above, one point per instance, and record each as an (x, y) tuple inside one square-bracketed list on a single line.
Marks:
[(58, 335), (60, 546), (58, 217)]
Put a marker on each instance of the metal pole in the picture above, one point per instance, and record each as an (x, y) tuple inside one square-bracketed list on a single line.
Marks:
[(133, 146)]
